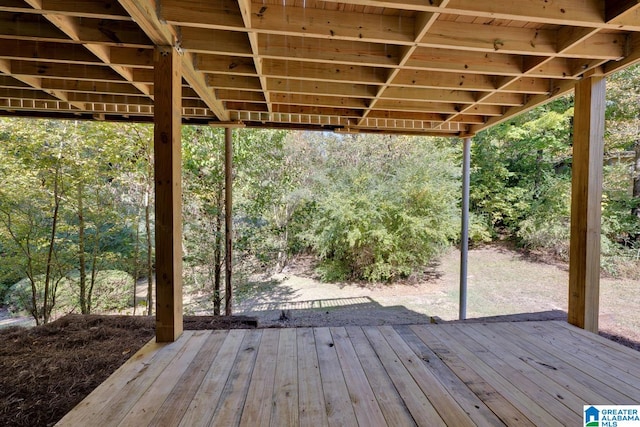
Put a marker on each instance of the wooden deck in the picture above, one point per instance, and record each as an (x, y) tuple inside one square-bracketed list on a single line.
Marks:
[(517, 374)]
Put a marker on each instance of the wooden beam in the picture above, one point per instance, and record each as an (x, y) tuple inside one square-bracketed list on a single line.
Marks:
[(586, 198), (319, 50), (433, 59), (335, 24), (224, 64), (434, 95), (321, 88), (168, 207), (440, 80), (104, 9), (324, 72), (145, 15), (617, 10)]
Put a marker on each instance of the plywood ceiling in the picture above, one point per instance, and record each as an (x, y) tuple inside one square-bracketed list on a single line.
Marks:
[(441, 67)]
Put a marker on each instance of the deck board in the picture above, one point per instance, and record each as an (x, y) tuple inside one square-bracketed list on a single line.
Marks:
[(285, 393), (393, 407), (338, 405), (485, 374), (257, 409), (311, 409), (572, 372), (491, 370), (365, 404)]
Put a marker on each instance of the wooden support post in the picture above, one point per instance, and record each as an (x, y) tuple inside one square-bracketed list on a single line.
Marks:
[(228, 225), (168, 187), (464, 235), (586, 196)]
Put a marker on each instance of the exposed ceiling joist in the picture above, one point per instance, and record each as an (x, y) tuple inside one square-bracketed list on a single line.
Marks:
[(442, 67)]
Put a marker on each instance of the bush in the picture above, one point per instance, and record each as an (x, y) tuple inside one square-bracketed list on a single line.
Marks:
[(382, 217)]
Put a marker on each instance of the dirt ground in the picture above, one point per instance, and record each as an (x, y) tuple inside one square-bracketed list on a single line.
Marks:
[(45, 371), (501, 281)]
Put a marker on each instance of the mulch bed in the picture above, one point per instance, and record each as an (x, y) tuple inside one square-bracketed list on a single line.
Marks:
[(45, 371)]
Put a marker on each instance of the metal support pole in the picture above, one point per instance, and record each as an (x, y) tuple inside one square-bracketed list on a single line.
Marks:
[(464, 235), (228, 225)]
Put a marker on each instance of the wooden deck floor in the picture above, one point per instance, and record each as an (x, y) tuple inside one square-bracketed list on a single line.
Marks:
[(517, 374)]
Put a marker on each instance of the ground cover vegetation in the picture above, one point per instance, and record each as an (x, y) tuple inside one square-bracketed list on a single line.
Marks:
[(76, 203)]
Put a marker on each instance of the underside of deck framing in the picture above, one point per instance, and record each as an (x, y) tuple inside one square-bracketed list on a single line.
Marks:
[(519, 374)]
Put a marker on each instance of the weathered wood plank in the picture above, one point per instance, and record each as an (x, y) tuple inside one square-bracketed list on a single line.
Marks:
[(257, 409), (498, 403), (547, 372), (468, 401), (336, 396), (146, 406), (285, 392), (445, 404), (393, 408), (152, 354), (311, 402), (623, 357), (234, 394), (421, 408), (204, 403), (538, 389), (363, 399), (177, 402), (492, 373), (591, 381)]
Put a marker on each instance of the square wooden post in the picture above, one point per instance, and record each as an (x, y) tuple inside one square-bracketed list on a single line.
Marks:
[(586, 197), (168, 187)]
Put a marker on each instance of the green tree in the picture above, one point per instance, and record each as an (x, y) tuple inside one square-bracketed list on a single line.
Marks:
[(63, 210), (623, 138), (384, 206), (203, 176), (31, 194)]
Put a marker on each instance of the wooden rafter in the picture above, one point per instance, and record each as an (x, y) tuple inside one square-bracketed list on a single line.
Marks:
[(472, 63)]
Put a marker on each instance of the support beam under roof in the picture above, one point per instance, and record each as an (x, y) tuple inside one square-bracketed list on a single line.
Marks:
[(586, 197), (168, 187)]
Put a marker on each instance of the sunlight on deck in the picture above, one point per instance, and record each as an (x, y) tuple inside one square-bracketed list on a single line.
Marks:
[(517, 374)]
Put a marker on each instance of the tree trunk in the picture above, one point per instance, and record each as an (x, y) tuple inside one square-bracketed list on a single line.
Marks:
[(636, 179), (47, 308), (94, 271), (81, 252), (136, 255), (217, 254), (147, 218)]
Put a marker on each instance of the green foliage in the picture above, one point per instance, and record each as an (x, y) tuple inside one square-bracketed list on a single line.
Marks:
[(66, 205), (521, 175), (517, 173), (265, 179), (480, 230), (546, 226), (383, 206), (113, 293)]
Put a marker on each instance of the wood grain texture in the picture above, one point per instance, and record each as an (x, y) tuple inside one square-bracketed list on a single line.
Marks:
[(586, 198), (168, 191), (370, 50), (492, 374)]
